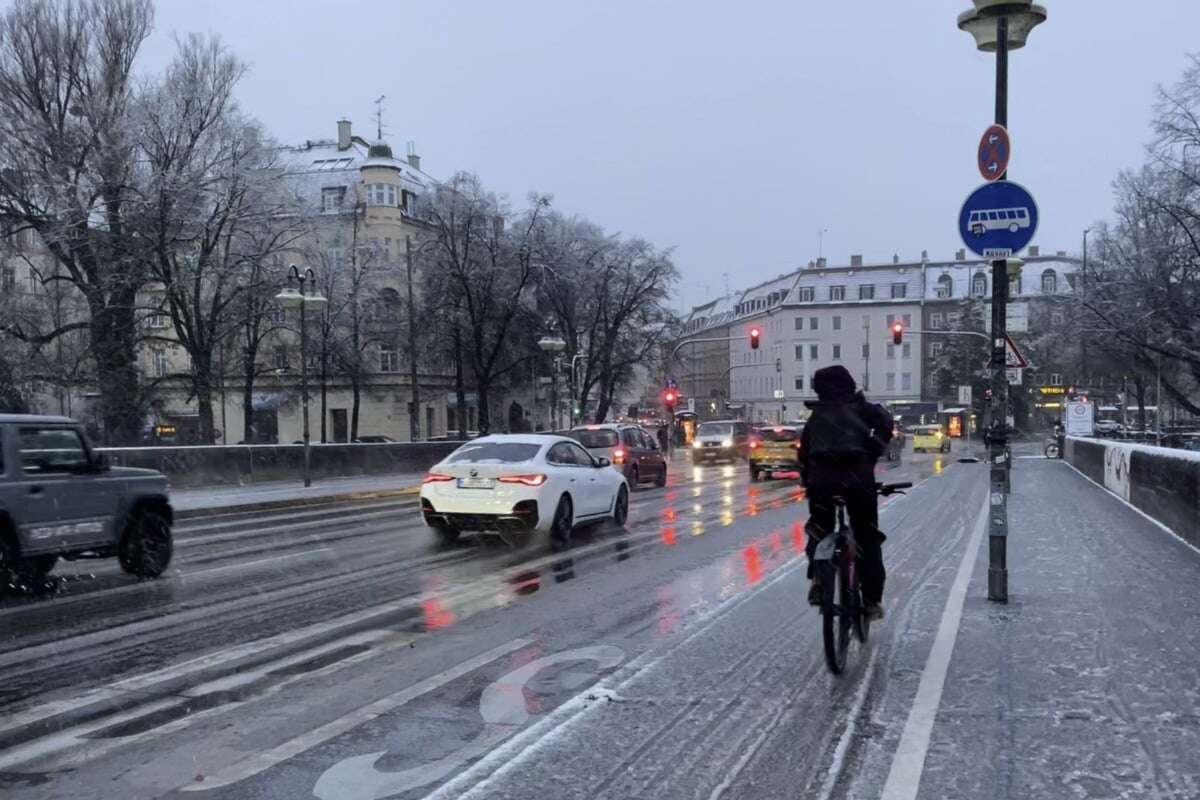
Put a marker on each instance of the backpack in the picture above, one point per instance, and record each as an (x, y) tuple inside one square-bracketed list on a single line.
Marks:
[(837, 434)]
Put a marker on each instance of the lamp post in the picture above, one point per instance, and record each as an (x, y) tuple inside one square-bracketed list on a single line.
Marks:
[(555, 345), (997, 27), (290, 297)]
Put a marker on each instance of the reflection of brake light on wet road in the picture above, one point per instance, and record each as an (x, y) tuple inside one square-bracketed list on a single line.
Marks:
[(798, 537), (754, 571), (668, 537), (669, 514), (776, 543)]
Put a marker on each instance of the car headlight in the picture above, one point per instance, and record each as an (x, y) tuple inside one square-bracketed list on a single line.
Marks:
[(937, 435), (727, 443), (697, 444)]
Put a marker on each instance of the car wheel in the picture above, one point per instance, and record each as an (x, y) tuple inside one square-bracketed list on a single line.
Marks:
[(564, 521), (634, 479), (661, 480), (621, 507), (39, 566), (14, 571), (448, 534), (146, 548)]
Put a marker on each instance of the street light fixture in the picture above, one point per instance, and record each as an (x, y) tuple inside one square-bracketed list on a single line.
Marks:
[(552, 344), (292, 297), (998, 26)]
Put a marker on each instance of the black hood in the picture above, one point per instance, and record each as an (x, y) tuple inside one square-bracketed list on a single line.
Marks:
[(834, 384)]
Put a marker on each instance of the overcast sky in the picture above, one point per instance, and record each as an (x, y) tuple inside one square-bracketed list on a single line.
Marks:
[(731, 132)]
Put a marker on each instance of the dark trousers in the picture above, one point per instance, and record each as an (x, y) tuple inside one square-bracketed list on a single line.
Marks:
[(862, 507)]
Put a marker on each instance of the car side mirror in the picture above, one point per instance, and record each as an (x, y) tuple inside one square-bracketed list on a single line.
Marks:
[(603, 462)]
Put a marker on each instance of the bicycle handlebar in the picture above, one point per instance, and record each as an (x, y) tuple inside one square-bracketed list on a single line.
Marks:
[(885, 489)]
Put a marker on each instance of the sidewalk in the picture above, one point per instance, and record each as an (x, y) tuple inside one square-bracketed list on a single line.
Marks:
[(1087, 683), (253, 496)]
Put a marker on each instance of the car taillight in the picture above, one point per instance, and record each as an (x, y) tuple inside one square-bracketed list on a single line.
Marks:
[(436, 477), (525, 480), (618, 456), (753, 445)]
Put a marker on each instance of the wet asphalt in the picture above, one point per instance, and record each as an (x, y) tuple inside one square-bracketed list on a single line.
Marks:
[(340, 651)]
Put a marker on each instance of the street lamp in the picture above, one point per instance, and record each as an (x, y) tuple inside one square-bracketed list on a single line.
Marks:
[(553, 344), (292, 297), (997, 27)]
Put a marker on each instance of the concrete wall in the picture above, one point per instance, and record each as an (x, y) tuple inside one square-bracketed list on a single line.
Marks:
[(241, 464), (1161, 482)]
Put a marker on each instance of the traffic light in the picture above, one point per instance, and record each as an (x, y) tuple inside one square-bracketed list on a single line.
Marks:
[(897, 333), (755, 335), (670, 399)]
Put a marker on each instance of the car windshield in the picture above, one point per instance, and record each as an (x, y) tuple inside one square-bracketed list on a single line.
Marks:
[(501, 452), (596, 437), (779, 434), (715, 429)]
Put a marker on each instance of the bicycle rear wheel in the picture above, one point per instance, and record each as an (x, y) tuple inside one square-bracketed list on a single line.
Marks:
[(835, 622)]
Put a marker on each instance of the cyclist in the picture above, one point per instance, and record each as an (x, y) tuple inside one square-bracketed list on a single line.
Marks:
[(842, 440)]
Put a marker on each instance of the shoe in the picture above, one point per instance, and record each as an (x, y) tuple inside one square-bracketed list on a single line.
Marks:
[(814, 593), (873, 612)]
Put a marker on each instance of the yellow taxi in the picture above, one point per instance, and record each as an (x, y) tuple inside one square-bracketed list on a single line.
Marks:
[(775, 449), (929, 437)]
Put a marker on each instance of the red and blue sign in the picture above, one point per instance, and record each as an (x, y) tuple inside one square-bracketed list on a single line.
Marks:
[(998, 219), (994, 151)]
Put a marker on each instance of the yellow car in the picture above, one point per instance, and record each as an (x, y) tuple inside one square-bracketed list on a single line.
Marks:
[(930, 437), (775, 449)]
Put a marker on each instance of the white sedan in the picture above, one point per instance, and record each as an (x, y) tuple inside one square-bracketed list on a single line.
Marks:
[(515, 482)]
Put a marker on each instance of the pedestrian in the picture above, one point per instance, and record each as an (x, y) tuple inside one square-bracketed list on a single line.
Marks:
[(663, 438)]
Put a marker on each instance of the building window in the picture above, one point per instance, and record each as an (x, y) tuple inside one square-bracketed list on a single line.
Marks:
[(953, 319), (906, 382), (899, 290), (799, 352), (799, 323), (1014, 287), (1056, 379), (814, 351), (389, 358), (158, 321), (159, 364), (890, 383), (906, 350), (381, 194), (907, 320), (935, 349), (278, 314), (837, 323), (8, 279), (837, 293), (891, 352), (866, 291), (1056, 317), (866, 350), (837, 352), (813, 323), (1049, 282), (935, 321), (331, 198), (799, 384), (890, 319), (807, 294), (945, 286), (979, 285), (281, 357)]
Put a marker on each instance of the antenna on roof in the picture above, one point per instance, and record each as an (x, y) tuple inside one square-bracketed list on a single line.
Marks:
[(379, 117)]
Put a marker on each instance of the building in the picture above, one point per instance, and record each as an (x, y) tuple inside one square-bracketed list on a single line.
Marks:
[(702, 369)]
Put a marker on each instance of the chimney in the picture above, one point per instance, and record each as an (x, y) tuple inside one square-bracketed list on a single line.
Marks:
[(414, 160), (821, 263), (924, 255), (961, 255), (895, 258), (343, 134), (856, 261), (1033, 250)]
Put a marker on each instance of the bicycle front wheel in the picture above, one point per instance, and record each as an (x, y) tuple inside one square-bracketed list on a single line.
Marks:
[(835, 622)]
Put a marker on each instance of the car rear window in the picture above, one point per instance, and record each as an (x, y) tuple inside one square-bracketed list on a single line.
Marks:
[(779, 435), (603, 437), (715, 429), (927, 429), (506, 452)]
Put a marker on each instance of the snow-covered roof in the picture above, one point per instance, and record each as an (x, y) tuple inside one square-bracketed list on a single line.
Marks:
[(321, 164)]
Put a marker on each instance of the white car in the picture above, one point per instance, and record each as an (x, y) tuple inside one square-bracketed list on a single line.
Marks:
[(516, 482)]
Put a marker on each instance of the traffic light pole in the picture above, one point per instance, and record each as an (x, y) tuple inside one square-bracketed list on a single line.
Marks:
[(998, 440)]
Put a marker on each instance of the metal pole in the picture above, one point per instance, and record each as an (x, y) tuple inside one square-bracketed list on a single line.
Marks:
[(1158, 404), (304, 384), (998, 502), (414, 419)]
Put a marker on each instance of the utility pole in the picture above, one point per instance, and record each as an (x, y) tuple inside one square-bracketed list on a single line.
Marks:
[(414, 418), (460, 394)]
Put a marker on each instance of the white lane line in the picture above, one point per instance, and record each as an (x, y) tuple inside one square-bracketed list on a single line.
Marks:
[(908, 764), (258, 762), (256, 562)]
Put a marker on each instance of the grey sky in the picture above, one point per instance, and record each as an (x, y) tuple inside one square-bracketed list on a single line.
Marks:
[(730, 131)]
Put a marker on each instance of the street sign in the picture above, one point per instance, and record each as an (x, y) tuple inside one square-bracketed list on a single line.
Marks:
[(998, 219), (1013, 358), (692, 404), (964, 395), (671, 384), (779, 394), (1014, 375), (994, 151)]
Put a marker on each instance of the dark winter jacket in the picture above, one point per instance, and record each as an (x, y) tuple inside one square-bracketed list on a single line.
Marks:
[(844, 436)]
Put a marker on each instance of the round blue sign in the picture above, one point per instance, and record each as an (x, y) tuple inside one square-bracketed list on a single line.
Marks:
[(998, 219)]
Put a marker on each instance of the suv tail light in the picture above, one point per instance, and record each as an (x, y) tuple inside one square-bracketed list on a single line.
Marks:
[(436, 477), (753, 443), (618, 456), (524, 480)]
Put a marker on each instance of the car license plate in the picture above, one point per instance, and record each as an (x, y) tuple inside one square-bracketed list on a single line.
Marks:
[(475, 483)]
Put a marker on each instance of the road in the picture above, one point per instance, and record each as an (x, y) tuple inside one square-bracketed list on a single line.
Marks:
[(339, 652)]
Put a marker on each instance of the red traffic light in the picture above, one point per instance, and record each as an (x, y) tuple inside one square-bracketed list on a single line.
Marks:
[(897, 333), (755, 335), (670, 399)]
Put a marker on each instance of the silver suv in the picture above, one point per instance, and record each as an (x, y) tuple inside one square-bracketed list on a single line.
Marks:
[(60, 498)]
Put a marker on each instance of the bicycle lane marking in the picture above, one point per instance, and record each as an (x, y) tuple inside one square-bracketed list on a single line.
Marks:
[(908, 763)]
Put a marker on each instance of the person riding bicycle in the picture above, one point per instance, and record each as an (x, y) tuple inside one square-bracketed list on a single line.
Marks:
[(842, 440)]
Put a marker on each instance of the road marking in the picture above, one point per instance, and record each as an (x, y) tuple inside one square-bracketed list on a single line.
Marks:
[(256, 562), (908, 763), (850, 732), (258, 762)]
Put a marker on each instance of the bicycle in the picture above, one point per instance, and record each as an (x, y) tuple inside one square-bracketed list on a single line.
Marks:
[(836, 567)]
